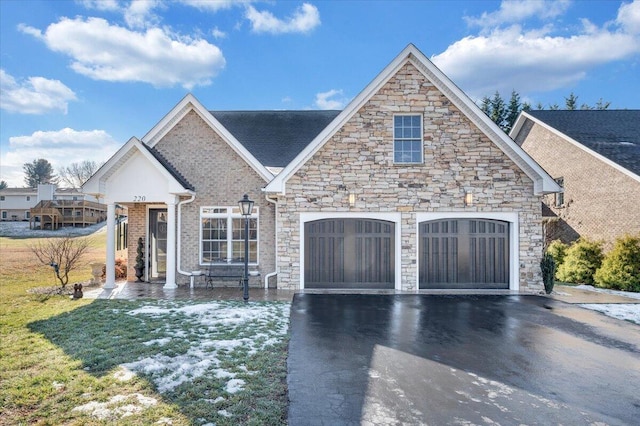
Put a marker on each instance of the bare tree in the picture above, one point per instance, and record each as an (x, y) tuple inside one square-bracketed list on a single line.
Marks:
[(76, 174), (62, 254)]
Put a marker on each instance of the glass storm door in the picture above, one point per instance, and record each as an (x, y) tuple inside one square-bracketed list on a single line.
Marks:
[(158, 242)]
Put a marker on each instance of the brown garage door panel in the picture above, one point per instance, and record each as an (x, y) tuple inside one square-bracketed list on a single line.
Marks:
[(349, 253), (464, 254)]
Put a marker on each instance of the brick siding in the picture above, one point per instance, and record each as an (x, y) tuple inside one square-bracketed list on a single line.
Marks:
[(600, 202)]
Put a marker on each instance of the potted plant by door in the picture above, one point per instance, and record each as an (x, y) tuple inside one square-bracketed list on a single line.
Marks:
[(139, 267)]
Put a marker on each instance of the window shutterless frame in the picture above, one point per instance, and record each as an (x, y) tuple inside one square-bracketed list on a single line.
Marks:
[(407, 139), (222, 235)]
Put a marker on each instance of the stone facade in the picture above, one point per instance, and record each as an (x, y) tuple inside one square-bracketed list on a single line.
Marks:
[(600, 201), (220, 177), (458, 157)]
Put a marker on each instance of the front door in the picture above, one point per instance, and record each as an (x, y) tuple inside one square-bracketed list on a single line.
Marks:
[(158, 242)]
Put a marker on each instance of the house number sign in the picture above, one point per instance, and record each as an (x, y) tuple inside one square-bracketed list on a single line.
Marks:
[(139, 198)]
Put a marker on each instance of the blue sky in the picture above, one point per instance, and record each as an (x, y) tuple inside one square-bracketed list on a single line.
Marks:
[(79, 78)]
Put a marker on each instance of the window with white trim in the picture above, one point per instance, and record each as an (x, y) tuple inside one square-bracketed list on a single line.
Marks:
[(222, 235), (559, 196), (407, 139)]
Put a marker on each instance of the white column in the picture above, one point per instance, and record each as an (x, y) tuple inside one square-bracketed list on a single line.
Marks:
[(111, 247), (171, 245)]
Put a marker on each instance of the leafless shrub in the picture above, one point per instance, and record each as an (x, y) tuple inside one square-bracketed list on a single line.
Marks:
[(62, 254)]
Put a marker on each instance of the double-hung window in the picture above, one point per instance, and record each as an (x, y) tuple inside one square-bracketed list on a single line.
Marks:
[(222, 235), (407, 139)]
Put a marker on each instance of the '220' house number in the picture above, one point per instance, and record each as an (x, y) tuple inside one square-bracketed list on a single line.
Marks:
[(139, 198)]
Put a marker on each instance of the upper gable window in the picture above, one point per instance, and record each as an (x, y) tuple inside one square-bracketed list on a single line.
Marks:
[(407, 139)]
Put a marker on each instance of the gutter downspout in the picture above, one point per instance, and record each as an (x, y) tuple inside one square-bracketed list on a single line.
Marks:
[(271, 274), (179, 243)]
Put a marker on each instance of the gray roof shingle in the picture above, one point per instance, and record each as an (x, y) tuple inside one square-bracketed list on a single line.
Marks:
[(614, 134), (275, 138)]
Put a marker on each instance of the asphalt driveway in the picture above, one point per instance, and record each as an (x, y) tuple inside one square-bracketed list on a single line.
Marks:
[(436, 359)]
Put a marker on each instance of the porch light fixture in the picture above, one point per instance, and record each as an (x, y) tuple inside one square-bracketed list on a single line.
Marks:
[(352, 199), (468, 198), (246, 207)]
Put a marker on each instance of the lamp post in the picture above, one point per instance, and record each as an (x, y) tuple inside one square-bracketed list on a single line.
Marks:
[(246, 206)]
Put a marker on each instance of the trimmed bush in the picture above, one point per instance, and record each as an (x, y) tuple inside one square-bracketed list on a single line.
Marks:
[(582, 260), (621, 267), (548, 267), (558, 250), (121, 270)]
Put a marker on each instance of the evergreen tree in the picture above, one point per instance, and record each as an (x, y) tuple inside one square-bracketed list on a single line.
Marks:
[(38, 171), (571, 102), (513, 110), (602, 105), (498, 110), (3, 184)]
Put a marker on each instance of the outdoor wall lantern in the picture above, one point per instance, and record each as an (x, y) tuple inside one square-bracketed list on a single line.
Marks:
[(352, 199), (468, 198), (246, 207)]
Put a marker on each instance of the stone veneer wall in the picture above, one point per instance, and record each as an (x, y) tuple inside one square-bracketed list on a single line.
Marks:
[(457, 156), (220, 178), (600, 202)]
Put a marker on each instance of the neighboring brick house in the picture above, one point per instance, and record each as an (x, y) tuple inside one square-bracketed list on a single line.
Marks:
[(595, 155), (409, 187)]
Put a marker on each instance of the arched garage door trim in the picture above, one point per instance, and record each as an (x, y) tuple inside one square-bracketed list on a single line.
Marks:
[(514, 240), (389, 217)]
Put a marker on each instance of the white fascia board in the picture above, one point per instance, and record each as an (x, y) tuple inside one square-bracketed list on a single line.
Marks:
[(524, 116), (543, 183), (96, 185), (190, 103)]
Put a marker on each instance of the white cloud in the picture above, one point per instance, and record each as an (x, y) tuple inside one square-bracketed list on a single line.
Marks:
[(215, 5), (60, 148), (629, 17), (104, 5), (217, 33), (519, 10), (324, 101), (507, 58), (108, 52), (36, 95), (140, 14), (304, 19)]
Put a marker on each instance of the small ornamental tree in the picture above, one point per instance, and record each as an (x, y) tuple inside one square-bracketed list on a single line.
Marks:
[(582, 260), (62, 254), (621, 267), (548, 268)]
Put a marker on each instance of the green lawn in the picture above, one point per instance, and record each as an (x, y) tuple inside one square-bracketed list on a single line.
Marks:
[(134, 362)]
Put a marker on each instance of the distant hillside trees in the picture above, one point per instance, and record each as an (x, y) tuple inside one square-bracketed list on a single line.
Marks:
[(37, 172), (505, 114)]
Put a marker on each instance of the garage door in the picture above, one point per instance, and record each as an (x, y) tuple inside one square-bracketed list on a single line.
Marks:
[(349, 253), (464, 254)]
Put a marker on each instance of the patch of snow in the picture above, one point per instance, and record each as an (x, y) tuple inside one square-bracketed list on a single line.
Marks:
[(224, 413), (114, 409), (257, 326), (21, 230), (629, 294), (234, 386), (123, 374), (159, 342), (623, 311)]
